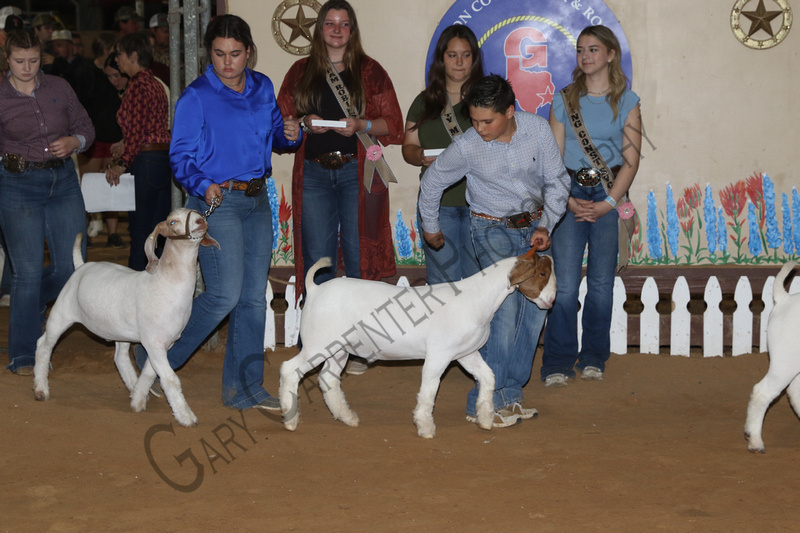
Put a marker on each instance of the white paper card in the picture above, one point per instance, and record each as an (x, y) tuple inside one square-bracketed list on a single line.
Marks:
[(99, 196), (433, 152), (328, 123)]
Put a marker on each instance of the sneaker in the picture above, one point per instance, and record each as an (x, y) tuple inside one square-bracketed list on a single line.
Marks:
[(555, 380), (5, 300), (115, 241), (156, 390), (592, 373), (503, 418), (24, 371), (517, 409), (270, 403), (356, 367)]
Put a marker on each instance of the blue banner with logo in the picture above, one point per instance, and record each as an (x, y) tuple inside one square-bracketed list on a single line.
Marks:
[(531, 42)]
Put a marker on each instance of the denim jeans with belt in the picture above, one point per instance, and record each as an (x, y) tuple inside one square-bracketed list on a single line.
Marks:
[(456, 259), (330, 212), (516, 325), (569, 242), (38, 206), (235, 278)]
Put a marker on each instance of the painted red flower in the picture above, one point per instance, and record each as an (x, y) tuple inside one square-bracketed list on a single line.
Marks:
[(733, 199), (284, 209), (693, 196), (374, 152), (684, 208), (686, 225)]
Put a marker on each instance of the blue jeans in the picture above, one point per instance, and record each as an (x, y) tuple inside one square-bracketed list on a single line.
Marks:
[(330, 212), (516, 325), (152, 176), (236, 283), (457, 259), (35, 206), (569, 242)]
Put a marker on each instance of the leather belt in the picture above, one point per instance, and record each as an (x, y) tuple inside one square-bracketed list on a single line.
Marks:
[(520, 220), (152, 147), (334, 160), (250, 188), (590, 177), (16, 164)]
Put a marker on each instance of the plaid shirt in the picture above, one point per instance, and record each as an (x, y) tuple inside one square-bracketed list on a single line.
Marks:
[(144, 114), (502, 178)]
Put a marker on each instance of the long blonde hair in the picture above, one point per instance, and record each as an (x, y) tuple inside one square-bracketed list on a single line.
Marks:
[(307, 94), (616, 78)]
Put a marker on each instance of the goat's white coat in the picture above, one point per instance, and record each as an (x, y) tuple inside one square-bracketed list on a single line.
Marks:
[(126, 306), (783, 339), (439, 323)]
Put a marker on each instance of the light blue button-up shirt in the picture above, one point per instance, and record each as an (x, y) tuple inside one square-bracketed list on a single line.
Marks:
[(502, 178), (220, 134)]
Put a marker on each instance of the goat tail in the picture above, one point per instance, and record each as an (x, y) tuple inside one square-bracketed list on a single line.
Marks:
[(77, 256), (779, 292), (322, 263)]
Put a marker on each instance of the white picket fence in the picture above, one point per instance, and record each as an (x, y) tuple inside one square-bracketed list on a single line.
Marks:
[(650, 340)]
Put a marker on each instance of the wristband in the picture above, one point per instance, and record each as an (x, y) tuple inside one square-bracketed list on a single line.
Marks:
[(303, 126), (610, 201), (369, 126)]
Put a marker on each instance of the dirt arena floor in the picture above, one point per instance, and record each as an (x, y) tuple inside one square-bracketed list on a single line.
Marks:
[(656, 446)]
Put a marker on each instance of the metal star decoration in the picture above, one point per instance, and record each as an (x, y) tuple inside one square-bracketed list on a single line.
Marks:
[(299, 23), (761, 18)]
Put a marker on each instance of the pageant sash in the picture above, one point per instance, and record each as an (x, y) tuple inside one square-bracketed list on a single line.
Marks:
[(626, 226), (343, 97), (450, 121)]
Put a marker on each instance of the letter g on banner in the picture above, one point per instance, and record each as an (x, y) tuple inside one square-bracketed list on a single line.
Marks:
[(531, 42)]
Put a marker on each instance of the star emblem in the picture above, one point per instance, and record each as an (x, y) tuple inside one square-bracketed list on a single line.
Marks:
[(300, 25), (292, 15), (762, 23), (761, 19)]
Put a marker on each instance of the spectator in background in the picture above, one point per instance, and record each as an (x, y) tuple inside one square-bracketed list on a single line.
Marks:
[(43, 26), (9, 21), (159, 28), (126, 21), (143, 117), (77, 40), (102, 102)]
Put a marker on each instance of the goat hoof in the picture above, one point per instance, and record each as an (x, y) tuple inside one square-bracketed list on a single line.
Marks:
[(291, 424), (41, 396)]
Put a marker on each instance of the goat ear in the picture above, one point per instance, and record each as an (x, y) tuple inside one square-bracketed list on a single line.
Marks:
[(524, 268), (208, 240), (150, 247)]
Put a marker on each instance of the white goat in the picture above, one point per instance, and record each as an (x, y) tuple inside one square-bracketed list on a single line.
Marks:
[(439, 323), (122, 305), (783, 340)]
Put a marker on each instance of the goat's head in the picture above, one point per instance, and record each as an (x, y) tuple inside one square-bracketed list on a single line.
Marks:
[(182, 224), (534, 277)]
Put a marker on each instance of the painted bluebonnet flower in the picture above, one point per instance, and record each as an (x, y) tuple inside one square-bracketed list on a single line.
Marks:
[(788, 240), (419, 235), (722, 233), (653, 235), (673, 227), (773, 234), (754, 240), (274, 205), (796, 218), (402, 237), (710, 216)]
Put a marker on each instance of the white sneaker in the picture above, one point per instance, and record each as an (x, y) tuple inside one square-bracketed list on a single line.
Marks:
[(516, 408), (503, 418), (555, 380), (5, 300), (592, 373)]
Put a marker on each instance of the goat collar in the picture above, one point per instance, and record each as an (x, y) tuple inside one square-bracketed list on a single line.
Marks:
[(187, 235)]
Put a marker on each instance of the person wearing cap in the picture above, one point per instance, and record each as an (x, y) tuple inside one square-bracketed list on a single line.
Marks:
[(9, 21), (126, 21), (43, 25), (159, 28), (72, 67)]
